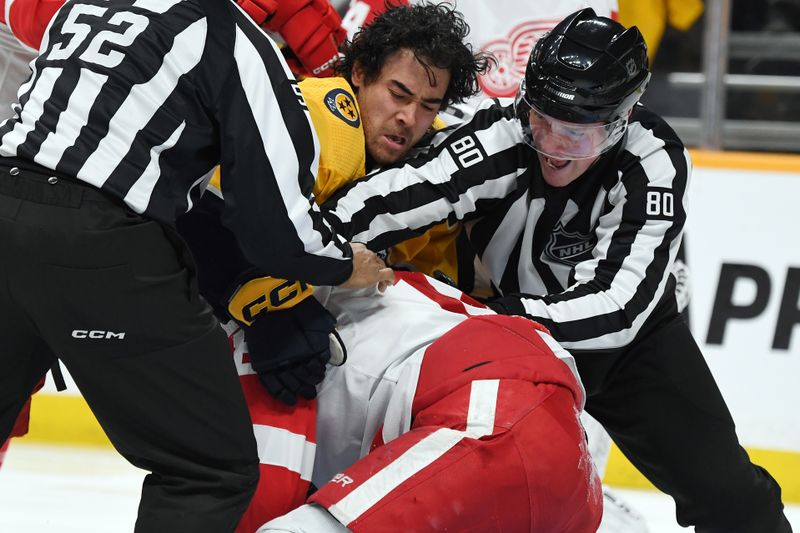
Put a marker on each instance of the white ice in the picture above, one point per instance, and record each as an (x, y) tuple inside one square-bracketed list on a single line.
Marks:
[(47, 489)]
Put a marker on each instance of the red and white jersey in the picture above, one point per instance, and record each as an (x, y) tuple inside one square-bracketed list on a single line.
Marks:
[(386, 335), (414, 348)]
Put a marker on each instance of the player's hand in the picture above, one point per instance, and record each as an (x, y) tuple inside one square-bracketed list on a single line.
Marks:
[(312, 30), (368, 270), (290, 348)]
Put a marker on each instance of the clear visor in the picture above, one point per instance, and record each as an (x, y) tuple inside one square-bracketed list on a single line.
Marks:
[(561, 140)]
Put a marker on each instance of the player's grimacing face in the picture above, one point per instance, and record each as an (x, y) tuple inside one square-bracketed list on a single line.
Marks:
[(398, 106)]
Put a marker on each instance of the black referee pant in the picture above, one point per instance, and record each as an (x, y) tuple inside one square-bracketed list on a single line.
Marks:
[(114, 296), (663, 409)]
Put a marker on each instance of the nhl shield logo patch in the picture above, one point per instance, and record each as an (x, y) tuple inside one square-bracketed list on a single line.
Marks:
[(342, 104), (568, 247)]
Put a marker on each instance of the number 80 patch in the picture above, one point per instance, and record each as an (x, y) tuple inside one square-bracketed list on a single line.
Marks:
[(660, 203), (466, 151)]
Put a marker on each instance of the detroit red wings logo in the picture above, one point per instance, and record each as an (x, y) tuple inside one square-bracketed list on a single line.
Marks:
[(512, 54)]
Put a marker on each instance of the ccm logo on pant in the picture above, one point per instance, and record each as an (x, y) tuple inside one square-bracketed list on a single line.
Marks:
[(96, 334)]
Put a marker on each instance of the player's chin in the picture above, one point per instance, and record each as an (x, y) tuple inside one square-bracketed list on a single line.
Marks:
[(385, 157)]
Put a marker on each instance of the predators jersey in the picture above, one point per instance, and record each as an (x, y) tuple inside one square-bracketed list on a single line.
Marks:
[(337, 121)]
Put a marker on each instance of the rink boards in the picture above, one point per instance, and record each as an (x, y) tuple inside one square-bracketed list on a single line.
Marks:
[(743, 250), (744, 254)]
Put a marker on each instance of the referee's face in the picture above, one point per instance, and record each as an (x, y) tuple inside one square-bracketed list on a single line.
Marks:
[(398, 106)]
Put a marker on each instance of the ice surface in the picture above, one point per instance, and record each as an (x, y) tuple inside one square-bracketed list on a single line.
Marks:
[(47, 489)]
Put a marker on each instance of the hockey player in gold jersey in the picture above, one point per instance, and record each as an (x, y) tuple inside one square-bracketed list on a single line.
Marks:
[(394, 78), (376, 112), (337, 118)]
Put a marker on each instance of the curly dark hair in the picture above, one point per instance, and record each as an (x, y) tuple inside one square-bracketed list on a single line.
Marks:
[(433, 32)]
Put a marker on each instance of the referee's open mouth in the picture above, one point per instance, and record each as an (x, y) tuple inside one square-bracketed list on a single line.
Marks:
[(556, 164)]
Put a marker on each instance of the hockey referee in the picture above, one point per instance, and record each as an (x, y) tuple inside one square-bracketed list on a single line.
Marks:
[(574, 200), (130, 106)]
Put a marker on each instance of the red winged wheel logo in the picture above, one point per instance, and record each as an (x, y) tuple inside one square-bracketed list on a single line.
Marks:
[(512, 54)]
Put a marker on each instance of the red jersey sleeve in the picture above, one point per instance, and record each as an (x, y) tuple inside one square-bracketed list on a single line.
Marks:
[(28, 19)]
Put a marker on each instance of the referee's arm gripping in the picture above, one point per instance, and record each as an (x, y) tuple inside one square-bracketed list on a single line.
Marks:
[(270, 174), (465, 174)]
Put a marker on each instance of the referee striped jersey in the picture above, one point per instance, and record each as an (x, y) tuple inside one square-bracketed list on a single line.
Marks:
[(143, 98), (591, 261)]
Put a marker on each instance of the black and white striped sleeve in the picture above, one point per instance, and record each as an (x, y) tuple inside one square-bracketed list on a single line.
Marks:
[(270, 173), (476, 166), (616, 292), (141, 98)]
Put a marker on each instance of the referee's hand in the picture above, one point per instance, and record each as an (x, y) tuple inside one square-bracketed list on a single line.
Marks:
[(368, 270)]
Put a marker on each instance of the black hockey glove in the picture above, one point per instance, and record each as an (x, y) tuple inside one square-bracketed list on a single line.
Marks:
[(290, 348)]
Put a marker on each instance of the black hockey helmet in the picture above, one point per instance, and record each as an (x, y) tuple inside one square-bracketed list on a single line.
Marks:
[(587, 69)]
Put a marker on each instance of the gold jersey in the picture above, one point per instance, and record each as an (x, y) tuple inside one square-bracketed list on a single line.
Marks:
[(337, 120)]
